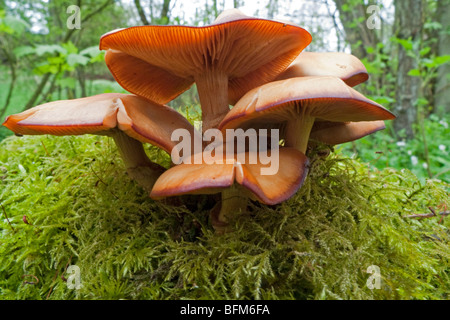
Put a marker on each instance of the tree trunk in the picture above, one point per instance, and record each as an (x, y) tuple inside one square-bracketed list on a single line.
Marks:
[(141, 12), (67, 37), (272, 8), (165, 12), (442, 89), (353, 16), (408, 24)]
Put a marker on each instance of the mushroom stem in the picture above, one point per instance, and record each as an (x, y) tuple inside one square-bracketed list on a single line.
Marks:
[(233, 202), (139, 167), (298, 131), (212, 88)]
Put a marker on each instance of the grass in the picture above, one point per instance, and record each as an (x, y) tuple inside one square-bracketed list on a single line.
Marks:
[(430, 160), (82, 210)]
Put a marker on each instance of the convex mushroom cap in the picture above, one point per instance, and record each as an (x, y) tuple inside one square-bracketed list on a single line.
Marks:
[(101, 114), (226, 59), (346, 67), (295, 104), (213, 176), (337, 64), (333, 133), (128, 119)]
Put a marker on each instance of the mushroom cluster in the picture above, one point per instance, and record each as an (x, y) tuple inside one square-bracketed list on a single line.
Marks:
[(251, 76)]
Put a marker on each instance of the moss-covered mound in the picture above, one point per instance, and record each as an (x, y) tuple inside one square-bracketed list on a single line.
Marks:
[(68, 201)]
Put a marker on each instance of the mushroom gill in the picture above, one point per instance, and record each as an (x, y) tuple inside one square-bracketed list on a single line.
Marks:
[(225, 60)]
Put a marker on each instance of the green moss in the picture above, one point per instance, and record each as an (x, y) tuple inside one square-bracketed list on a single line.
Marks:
[(83, 210)]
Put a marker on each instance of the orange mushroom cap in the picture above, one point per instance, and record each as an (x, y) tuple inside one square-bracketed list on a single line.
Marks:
[(333, 133), (100, 114), (295, 104), (250, 51), (325, 98), (215, 177), (338, 64)]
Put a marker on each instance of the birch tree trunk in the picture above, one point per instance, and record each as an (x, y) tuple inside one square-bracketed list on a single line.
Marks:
[(353, 15), (442, 89), (408, 25)]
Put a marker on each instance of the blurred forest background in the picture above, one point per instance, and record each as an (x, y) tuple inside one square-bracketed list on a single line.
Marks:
[(404, 44)]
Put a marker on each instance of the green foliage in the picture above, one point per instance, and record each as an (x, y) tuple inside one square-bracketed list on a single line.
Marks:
[(12, 25), (427, 63), (382, 150), (59, 58), (82, 209), (381, 86)]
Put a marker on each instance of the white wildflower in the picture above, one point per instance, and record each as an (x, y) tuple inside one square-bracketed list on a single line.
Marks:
[(414, 160)]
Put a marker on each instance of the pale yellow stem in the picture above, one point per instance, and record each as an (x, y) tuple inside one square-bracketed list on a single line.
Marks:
[(139, 167), (297, 132), (212, 87), (233, 202)]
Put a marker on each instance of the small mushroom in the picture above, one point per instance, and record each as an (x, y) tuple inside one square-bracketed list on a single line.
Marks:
[(236, 180), (338, 64), (128, 119), (225, 60), (346, 67), (333, 133), (293, 105)]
